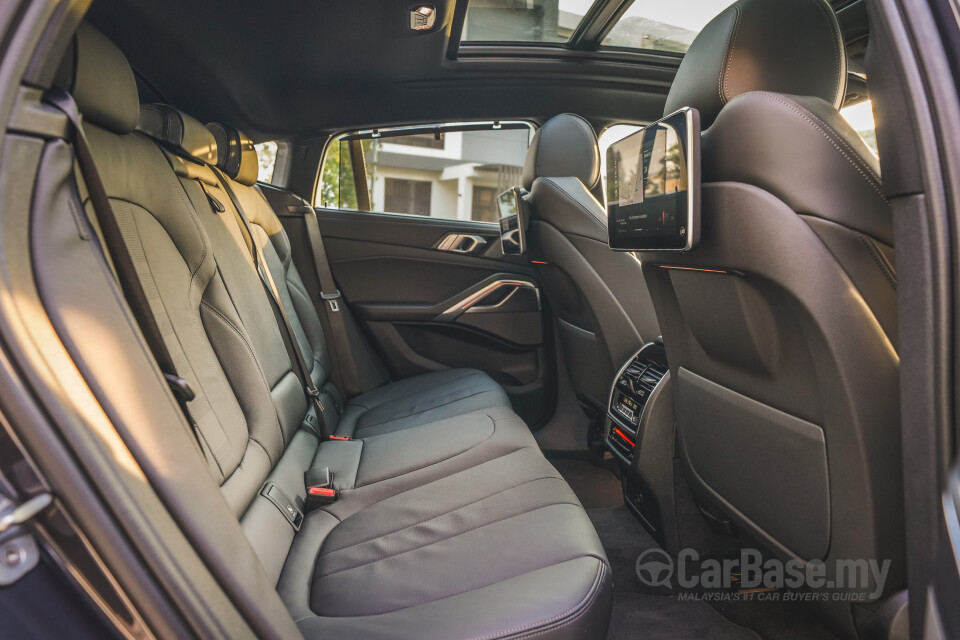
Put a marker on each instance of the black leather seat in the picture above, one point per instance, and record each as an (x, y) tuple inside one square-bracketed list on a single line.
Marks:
[(604, 313), (786, 364), (449, 522)]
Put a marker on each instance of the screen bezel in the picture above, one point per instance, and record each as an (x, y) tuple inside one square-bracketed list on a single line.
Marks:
[(520, 221), (668, 243)]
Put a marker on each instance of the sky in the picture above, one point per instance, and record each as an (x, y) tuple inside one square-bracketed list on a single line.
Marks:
[(688, 14), (860, 116)]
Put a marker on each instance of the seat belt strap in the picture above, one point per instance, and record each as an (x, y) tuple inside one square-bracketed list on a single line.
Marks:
[(125, 270), (269, 284), (332, 306)]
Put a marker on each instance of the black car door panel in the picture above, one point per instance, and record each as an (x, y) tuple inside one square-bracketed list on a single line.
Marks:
[(435, 294)]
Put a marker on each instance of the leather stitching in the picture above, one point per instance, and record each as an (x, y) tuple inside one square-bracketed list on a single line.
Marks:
[(864, 171), (573, 200), (879, 260), (580, 609), (417, 413), (488, 523), (838, 38), (853, 152), (217, 454), (728, 50), (263, 378), (380, 536), (432, 464), (588, 128)]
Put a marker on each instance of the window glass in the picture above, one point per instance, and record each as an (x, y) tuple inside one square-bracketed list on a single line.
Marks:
[(646, 24), (860, 117), (664, 26), (551, 21), (407, 196), (455, 174), (267, 155)]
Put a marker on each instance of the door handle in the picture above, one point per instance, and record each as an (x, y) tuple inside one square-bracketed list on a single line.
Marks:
[(462, 243)]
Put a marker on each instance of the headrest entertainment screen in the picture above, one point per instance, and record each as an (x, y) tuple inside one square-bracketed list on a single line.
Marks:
[(653, 186), (513, 221)]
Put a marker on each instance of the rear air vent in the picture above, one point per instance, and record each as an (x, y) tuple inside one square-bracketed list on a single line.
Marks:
[(629, 396)]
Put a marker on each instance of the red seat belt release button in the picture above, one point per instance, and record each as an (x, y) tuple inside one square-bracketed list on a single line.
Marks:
[(319, 496), (339, 438)]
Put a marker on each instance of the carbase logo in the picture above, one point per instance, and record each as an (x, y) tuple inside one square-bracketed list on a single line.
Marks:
[(656, 568)]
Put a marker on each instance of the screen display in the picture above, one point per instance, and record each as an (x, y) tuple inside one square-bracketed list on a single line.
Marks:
[(512, 220), (508, 203), (653, 186)]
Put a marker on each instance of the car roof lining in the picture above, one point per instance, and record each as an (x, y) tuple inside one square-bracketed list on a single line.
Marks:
[(301, 70)]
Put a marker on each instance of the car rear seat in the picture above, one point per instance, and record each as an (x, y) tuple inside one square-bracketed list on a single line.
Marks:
[(431, 537), (427, 442), (424, 398)]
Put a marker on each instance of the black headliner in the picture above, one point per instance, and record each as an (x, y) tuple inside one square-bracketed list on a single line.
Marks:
[(296, 68)]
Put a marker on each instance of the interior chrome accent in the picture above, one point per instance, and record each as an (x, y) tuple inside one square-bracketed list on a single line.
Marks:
[(469, 303), (461, 243)]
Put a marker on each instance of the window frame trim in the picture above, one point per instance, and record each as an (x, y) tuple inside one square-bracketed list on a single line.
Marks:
[(475, 125)]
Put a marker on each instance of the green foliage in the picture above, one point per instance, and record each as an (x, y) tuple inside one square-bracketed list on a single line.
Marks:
[(337, 189)]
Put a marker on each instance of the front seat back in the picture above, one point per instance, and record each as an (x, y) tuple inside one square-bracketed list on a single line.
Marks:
[(780, 327), (598, 296)]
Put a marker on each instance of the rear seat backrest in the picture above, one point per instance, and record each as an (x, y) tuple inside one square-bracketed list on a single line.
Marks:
[(244, 326), (213, 313), (239, 162)]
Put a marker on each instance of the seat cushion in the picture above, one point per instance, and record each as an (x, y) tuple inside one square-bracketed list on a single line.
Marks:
[(418, 400), (506, 535), (423, 451)]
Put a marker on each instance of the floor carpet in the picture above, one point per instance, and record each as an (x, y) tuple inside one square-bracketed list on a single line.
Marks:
[(597, 487), (639, 616), (641, 612)]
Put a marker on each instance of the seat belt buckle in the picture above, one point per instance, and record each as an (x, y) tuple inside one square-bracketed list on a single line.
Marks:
[(320, 491), (339, 438), (332, 300), (320, 496)]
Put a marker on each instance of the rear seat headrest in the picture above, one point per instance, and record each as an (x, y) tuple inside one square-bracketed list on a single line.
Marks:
[(180, 132), (565, 146), (238, 157), (101, 81)]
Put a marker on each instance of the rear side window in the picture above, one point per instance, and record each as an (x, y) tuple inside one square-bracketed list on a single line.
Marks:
[(267, 156), (860, 117), (442, 171)]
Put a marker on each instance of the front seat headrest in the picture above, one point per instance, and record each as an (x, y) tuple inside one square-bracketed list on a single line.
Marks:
[(182, 133), (783, 46), (564, 147), (101, 81), (238, 156)]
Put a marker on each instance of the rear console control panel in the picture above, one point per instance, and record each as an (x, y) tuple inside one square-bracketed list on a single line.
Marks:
[(631, 390)]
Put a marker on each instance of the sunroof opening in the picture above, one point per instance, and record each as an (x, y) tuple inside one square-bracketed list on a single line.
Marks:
[(551, 21), (663, 26), (646, 24)]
